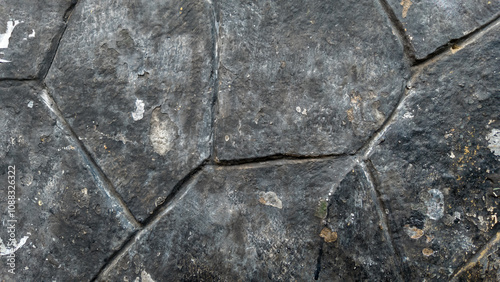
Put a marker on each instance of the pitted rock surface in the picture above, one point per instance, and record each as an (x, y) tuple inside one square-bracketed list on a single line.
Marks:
[(260, 140)]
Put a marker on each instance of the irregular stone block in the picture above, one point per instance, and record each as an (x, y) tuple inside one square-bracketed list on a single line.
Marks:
[(304, 77), (225, 226), (134, 82), (438, 166), (64, 226), (29, 32), (433, 23), (362, 251)]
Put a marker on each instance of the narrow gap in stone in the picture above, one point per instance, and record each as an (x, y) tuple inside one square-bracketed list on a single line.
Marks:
[(126, 244), (365, 150), (318, 262), (368, 169), (100, 178), (169, 200), (169, 203), (458, 43), (56, 41), (485, 251), (17, 79), (408, 49), (278, 157), (215, 73)]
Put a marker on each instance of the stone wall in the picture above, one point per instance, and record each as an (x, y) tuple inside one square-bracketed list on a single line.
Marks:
[(255, 140)]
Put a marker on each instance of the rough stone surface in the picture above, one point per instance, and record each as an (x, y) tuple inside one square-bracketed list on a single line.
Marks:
[(29, 32), (438, 174), (65, 229), (431, 24), (362, 250), (260, 140), (142, 100), (304, 77), (222, 228)]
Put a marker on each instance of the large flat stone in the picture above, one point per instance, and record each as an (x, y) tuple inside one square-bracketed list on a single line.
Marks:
[(438, 166), (254, 223), (362, 251), (304, 77), (65, 226), (134, 82), (29, 31), (433, 23)]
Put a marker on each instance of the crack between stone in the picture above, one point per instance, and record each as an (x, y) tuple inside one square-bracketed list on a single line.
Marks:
[(491, 246), (172, 199), (318, 262), (368, 169), (100, 178), (56, 41), (215, 73), (455, 45), (278, 157), (399, 29), (7, 79)]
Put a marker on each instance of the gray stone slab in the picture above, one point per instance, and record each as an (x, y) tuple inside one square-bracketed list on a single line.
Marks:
[(254, 223), (65, 227), (134, 82), (304, 77), (431, 24), (29, 31), (438, 166), (362, 250)]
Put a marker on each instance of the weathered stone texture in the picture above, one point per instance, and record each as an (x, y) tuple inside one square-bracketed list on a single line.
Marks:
[(134, 82), (438, 165), (29, 33), (65, 227), (431, 24), (251, 222), (304, 77)]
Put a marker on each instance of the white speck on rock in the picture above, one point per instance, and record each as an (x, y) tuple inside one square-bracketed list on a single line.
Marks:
[(4, 37), (298, 109), (452, 155), (494, 141), (408, 115), (139, 110), (30, 104), (32, 34), (435, 204), (270, 199), (145, 277)]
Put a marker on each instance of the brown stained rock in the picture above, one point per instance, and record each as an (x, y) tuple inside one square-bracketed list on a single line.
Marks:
[(328, 235)]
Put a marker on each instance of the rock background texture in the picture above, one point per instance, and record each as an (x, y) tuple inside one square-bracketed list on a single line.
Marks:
[(249, 140)]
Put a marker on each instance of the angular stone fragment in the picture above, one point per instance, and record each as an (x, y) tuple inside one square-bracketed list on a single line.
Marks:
[(433, 23), (436, 169), (65, 227), (134, 81), (362, 251), (304, 77), (29, 31), (219, 230)]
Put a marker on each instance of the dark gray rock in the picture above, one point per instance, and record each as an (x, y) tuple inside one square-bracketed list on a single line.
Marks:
[(304, 77), (430, 24), (29, 32), (362, 251), (65, 227), (438, 165), (134, 82), (254, 222)]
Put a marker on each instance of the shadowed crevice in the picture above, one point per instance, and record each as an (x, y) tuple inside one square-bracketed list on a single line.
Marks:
[(56, 41), (99, 177), (399, 29), (456, 44), (368, 169), (215, 73), (277, 157)]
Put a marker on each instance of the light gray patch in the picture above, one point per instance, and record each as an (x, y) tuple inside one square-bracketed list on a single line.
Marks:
[(163, 132), (435, 204)]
